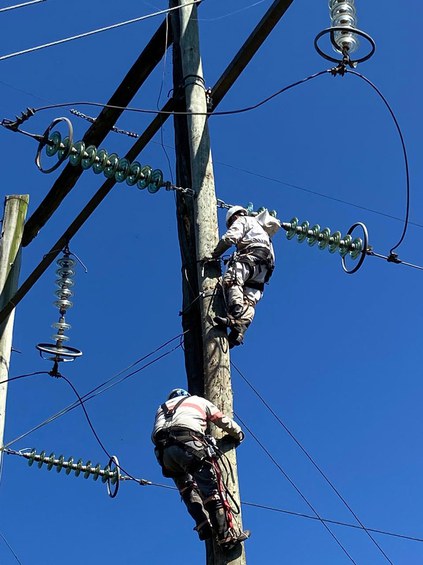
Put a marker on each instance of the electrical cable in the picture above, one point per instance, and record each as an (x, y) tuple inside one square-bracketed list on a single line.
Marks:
[(23, 5), (11, 549), (24, 376), (295, 487), (310, 458), (101, 444), (90, 119), (96, 391), (180, 113), (335, 522), (95, 31), (159, 96), (234, 13), (404, 150)]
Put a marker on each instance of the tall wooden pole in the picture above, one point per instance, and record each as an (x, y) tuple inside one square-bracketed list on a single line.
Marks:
[(15, 209), (198, 232)]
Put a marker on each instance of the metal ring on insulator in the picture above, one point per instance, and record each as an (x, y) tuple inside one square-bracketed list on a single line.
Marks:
[(62, 353), (363, 251), (332, 39), (112, 493), (44, 142)]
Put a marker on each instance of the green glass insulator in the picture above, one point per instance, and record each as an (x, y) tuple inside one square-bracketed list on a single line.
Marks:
[(324, 238), (64, 146), (273, 213), (356, 248), (313, 234), (334, 243), (111, 166), (133, 174), (79, 465), (59, 466), (96, 471), (87, 473), (261, 209), (50, 462), (32, 457), (122, 170), (302, 235), (77, 152), (55, 138), (100, 161), (41, 462), (250, 207), (344, 245), (105, 477), (291, 233), (156, 181), (145, 178), (88, 159), (114, 477), (69, 469)]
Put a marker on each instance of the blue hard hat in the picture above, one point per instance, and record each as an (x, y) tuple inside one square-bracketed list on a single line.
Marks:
[(178, 392)]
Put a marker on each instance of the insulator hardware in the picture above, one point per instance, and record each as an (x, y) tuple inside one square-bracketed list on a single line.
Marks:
[(343, 14), (344, 35), (356, 248), (60, 352), (111, 165), (110, 474)]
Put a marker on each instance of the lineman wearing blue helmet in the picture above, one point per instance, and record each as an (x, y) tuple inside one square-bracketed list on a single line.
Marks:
[(184, 454)]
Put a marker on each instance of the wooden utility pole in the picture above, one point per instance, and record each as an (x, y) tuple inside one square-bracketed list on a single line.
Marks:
[(15, 209), (206, 346)]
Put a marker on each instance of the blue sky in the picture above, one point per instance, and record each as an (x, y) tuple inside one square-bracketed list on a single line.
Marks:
[(337, 357)]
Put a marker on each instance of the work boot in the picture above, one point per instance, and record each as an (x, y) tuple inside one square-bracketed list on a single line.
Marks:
[(231, 539), (235, 338)]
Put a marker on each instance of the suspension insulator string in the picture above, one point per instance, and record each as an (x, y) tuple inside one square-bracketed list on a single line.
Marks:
[(59, 352), (343, 35)]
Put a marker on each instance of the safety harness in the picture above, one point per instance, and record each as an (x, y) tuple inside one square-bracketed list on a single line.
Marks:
[(255, 257), (177, 436)]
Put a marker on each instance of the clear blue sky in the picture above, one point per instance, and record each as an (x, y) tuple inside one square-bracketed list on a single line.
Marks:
[(338, 357)]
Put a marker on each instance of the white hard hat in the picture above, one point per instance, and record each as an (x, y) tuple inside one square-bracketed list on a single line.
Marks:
[(234, 210)]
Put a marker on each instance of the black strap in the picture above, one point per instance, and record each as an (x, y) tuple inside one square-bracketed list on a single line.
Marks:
[(169, 412)]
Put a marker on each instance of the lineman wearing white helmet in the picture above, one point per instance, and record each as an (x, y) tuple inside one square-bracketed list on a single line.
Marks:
[(183, 453), (249, 268)]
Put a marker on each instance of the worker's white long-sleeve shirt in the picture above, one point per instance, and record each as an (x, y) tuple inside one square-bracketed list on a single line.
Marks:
[(246, 233), (193, 414)]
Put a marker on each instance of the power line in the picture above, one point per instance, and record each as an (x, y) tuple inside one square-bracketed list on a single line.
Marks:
[(24, 376), (93, 32), (335, 522), (21, 6), (181, 113), (404, 150), (295, 487), (309, 457), (98, 390), (258, 175), (11, 549)]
